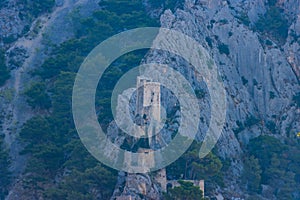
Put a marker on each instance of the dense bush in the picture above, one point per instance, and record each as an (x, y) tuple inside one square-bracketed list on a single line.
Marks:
[(274, 23), (37, 7), (279, 164), (296, 99), (37, 96), (252, 174), (93, 183), (209, 41), (3, 3), (167, 4), (243, 17), (223, 49), (4, 73), (52, 142), (190, 166), (186, 191), (4, 172)]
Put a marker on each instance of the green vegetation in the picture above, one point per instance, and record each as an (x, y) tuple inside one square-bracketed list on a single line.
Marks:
[(51, 141), (223, 21), (244, 80), (240, 128), (4, 172), (272, 95), (296, 99), (251, 120), (223, 49), (209, 41), (167, 4), (56, 153), (243, 17), (277, 166), (200, 93), (274, 23), (186, 191), (4, 73), (7, 94), (190, 166), (269, 43), (44, 144), (9, 39), (272, 2), (54, 147), (37, 96), (3, 3), (37, 7), (272, 127), (263, 147), (252, 174), (93, 182)]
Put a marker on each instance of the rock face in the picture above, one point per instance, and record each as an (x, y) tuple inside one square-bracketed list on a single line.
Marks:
[(261, 80), (11, 25), (250, 71), (137, 187)]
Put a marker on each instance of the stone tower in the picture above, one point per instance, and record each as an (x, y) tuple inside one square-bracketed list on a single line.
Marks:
[(147, 116), (148, 104)]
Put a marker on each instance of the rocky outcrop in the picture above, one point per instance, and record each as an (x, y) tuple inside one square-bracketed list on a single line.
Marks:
[(261, 80), (139, 186)]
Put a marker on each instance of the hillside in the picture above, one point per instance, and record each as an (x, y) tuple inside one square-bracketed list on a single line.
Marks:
[(255, 46)]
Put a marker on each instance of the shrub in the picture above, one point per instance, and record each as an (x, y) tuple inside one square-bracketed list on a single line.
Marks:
[(244, 80), (269, 42), (200, 93), (3, 3), (296, 99), (271, 126), (224, 49), (250, 121), (272, 95), (37, 96), (38, 7), (186, 191), (279, 165), (167, 4), (244, 19), (4, 172), (223, 21), (209, 41), (252, 174), (274, 23), (4, 73)]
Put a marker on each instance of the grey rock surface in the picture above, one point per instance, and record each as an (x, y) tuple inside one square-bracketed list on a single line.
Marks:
[(260, 81)]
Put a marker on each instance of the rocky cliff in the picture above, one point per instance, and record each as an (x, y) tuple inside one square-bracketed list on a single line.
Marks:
[(259, 65), (260, 72)]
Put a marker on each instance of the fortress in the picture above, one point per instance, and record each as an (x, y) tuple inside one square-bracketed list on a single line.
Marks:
[(148, 116), (148, 106)]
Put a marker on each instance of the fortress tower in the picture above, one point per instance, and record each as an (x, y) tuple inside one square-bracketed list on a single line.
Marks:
[(148, 116), (148, 104)]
